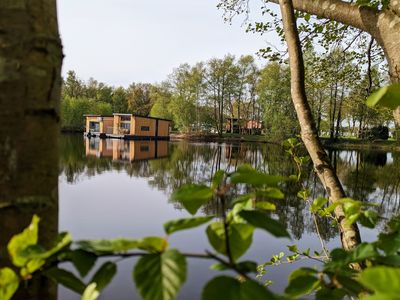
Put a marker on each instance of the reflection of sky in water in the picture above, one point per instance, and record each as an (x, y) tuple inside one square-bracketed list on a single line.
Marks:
[(113, 204)]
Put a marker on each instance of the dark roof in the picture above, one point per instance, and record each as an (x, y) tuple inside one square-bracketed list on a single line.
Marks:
[(122, 114), (93, 115), (134, 115)]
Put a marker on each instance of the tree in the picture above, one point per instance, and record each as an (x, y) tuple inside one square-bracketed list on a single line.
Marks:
[(139, 101), (380, 19), (273, 89), (350, 235), (119, 100), (30, 81), (187, 86), (162, 97), (73, 86), (221, 88)]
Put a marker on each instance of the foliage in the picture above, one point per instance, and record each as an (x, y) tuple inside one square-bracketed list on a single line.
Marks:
[(73, 109), (388, 96), (161, 271)]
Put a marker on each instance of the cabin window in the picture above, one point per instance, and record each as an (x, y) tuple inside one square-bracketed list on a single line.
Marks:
[(125, 118), (145, 128), (125, 125), (94, 127), (144, 148)]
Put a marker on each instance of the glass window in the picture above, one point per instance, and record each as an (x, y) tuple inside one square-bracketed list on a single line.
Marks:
[(94, 127), (125, 118)]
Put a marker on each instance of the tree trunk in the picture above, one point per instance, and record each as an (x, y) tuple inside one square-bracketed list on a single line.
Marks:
[(383, 25), (350, 236), (30, 82)]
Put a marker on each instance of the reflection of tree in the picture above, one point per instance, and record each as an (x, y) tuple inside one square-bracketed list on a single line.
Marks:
[(365, 175)]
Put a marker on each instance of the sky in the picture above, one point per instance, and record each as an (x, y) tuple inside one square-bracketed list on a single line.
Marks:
[(123, 41)]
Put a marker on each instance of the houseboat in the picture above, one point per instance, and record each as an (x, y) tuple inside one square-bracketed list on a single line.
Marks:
[(127, 126)]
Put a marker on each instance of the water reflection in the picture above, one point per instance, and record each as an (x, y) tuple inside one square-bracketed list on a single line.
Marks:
[(102, 197), (126, 151), (369, 176)]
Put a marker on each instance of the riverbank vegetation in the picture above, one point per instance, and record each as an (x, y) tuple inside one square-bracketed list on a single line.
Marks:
[(205, 97)]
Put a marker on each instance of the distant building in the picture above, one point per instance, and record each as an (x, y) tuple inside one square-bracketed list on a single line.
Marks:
[(127, 126), (251, 126)]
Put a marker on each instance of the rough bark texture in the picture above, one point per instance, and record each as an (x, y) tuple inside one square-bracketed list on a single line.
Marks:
[(30, 81), (350, 236)]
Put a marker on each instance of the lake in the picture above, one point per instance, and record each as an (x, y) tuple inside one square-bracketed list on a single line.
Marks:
[(114, 188)]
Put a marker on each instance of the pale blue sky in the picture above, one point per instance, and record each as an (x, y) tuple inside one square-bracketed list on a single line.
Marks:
[(124, 41)]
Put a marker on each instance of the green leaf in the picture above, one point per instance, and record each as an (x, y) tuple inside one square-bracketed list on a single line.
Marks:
[(217, 180), (67, 279), (121, 245), (293, 248), (160, 276), (37, 252), (330, 294), (246, 174), (264, 205), (182, 224), (304, 194), (369, 218), (90, 293), (82, 260), (302, 282), (387, 96), (383, 280), (192, 196), (240, 238), (271, 192), (318, 204), (224, 287), (153, 244), (104, 275), (9, 283), (31, 266), (389, 242), (242, 199), (261, 220), (108, 246), (20, 242)]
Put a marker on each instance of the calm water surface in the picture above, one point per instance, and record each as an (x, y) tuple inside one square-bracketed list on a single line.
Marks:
[(112, 188)]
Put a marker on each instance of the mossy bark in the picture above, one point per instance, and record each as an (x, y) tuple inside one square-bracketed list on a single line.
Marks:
[(30, 82)]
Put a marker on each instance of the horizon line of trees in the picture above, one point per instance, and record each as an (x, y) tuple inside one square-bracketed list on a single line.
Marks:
[(202, 97)]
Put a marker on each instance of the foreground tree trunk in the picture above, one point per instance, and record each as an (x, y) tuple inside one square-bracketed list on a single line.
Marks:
[(350, 235), (30, 81)]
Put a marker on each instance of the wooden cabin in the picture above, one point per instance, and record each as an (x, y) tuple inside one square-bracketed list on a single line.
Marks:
[(126, 151), (128, 126), (98, 125)]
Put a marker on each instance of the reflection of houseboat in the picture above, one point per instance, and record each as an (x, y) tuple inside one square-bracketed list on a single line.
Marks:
[(127, 126), (120, 150)]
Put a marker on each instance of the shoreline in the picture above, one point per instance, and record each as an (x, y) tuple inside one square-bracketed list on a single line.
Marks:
[(341, 144)]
